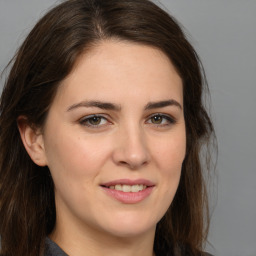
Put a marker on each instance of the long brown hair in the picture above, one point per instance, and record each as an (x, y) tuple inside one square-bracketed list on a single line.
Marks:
[(27, 207)]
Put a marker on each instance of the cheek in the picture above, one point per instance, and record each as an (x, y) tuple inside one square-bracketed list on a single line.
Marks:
[(73, 157), (170, 154), (75, 163), (170, 151)]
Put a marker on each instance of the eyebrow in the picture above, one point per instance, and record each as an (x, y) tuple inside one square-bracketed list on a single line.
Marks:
[(162, 104), (97, 104), (115, 107)]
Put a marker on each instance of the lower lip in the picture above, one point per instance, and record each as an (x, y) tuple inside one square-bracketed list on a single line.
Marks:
[(129, 197)]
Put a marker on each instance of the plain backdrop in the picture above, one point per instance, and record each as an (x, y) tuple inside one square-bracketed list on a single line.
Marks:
[(224, 34)]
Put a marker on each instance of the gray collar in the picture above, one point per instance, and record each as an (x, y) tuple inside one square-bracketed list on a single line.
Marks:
[(52, 249)]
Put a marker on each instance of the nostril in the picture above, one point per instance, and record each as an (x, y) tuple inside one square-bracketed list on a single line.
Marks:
[(131, 156), (123, 163)]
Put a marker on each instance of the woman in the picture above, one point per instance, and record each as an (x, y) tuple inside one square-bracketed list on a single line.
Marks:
[(102, 111)]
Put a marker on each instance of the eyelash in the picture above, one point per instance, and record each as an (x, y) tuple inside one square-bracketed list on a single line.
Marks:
[(86, 120), (170, 120)]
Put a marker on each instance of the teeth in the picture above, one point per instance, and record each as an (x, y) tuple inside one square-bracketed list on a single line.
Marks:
[(118, 187), (128, 188), (136, 188)]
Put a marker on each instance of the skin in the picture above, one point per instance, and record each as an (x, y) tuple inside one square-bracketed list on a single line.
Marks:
[(125, 143)]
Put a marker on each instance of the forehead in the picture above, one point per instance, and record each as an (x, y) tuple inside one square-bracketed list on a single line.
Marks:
[(112, 68)]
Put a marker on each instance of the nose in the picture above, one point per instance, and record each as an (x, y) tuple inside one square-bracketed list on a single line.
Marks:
[(131, 149)]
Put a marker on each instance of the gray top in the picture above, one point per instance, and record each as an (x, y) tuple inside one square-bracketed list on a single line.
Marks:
[(52, 249)]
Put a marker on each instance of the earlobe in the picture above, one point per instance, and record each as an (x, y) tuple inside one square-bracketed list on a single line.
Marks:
[(33, 141)]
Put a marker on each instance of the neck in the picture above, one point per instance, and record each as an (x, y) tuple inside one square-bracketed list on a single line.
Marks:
[(98, 243)]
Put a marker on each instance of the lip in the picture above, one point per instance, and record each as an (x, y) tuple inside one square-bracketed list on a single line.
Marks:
[(128, 197), (145, 182)]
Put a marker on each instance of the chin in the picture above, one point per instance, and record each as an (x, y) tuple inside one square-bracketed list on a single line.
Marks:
[(131, 226), (128, 232)]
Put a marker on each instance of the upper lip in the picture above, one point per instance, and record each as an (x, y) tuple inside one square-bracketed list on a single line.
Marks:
[(145, 182)]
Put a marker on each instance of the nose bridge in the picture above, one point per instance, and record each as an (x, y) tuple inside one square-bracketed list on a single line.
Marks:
[(132, 149)]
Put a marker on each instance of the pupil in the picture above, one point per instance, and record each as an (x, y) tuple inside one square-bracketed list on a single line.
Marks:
[(95, 120), (157, 120)]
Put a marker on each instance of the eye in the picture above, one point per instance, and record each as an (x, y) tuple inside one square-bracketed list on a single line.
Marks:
[(161, 120), (93, 121)]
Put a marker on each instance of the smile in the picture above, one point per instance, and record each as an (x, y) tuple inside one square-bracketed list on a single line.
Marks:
[(129, 188), (129, 191)]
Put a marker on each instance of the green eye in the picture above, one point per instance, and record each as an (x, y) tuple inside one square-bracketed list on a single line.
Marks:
[(161, 120), (93, 121), (156, 119), (96, 120)]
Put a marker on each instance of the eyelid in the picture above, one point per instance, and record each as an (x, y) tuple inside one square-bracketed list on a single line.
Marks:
[(168, 117), (85, 119), (170, 120)]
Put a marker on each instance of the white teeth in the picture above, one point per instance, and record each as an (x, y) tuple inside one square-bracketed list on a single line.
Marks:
[(118, 187), (136, 188), (128, 188)]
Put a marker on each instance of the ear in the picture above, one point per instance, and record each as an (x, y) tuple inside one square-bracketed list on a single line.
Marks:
[(33, 141)]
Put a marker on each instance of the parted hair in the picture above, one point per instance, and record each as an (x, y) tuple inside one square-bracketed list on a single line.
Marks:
[(47, 56)]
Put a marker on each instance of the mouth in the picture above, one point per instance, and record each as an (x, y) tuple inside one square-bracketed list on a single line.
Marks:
[(127, 185), (127, 188), (129, 191)]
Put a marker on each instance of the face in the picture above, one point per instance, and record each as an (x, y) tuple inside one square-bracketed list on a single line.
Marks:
[(114, 140)]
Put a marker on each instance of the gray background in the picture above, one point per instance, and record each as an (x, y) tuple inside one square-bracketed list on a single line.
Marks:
[(224, 34)]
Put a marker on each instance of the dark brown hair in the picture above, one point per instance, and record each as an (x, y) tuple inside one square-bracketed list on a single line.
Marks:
[(27, 207)]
